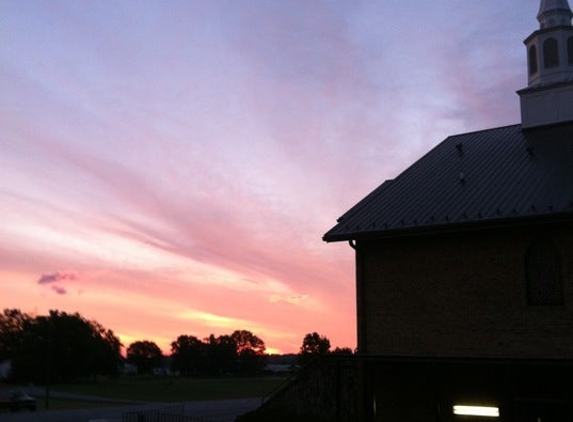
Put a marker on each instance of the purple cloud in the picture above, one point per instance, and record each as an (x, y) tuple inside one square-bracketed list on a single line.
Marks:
[(56, 277), (59, 290)]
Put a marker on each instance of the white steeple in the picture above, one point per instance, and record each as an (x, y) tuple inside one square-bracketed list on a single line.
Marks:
[(554, 13), (548, 98)]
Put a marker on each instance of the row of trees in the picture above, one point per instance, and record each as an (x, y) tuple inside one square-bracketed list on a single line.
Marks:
[(241, 352), (60, 347)]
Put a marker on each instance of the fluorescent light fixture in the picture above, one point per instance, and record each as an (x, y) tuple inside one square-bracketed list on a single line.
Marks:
[(488, 412)]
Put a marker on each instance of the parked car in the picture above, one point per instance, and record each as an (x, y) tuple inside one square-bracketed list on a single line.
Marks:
[(18, 400)]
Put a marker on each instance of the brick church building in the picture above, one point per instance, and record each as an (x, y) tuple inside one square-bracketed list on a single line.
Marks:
[(464, 263)]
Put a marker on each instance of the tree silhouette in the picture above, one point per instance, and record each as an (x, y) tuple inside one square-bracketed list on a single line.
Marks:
[(12, 324), (145, 355), (313, 345), (64, 347), (189, 355), (250, 352), (107, 351), (221, 354), (346, 351)]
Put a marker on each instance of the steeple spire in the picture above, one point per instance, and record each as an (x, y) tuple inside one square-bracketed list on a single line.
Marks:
[(554, 13), (548, 98)]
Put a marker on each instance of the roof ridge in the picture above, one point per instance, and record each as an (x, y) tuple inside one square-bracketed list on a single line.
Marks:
[(484, 130)]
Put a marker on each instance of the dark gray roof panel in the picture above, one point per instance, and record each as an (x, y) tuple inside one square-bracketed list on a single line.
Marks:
[(483, 176)]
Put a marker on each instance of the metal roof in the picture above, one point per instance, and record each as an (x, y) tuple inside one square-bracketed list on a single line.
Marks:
[(471, 179)]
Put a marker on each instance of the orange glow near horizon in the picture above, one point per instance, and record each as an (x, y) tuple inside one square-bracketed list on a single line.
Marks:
[(149, 310)]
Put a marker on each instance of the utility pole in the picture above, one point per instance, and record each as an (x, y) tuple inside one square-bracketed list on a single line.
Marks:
[(49, 364)]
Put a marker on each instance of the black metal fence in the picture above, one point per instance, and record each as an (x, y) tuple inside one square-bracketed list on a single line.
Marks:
[(175, 413)]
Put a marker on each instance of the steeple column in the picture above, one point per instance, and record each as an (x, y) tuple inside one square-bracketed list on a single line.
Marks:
[(550, 49)]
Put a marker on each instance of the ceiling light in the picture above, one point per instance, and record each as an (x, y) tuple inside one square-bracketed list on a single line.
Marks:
[(490, 412)]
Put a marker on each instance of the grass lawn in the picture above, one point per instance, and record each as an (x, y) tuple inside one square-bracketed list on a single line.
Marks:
[(147, 388), (56, 404)]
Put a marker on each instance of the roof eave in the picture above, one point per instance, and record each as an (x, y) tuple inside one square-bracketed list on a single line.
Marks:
[(513, 222)]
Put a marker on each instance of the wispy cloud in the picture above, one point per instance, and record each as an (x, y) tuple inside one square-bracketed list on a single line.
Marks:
[(293, 300)]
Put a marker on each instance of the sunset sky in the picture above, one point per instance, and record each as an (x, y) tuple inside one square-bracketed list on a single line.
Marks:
[(170, 167)]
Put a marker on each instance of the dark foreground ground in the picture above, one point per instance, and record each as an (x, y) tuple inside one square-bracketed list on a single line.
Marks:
[(209, 411), (208, 400)]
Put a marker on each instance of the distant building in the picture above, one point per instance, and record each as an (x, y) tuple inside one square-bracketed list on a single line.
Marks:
[(129, 368), (464, 263), (278, 369), (161, 372)]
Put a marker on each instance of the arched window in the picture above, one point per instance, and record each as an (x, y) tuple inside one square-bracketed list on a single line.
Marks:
[(570, 49), (543, 273), (550, 53), (532, 60)]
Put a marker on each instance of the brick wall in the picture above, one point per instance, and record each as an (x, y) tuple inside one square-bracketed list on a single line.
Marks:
[(460, 295)]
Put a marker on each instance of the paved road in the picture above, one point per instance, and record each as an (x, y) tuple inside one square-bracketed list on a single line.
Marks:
[(211, 411)]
